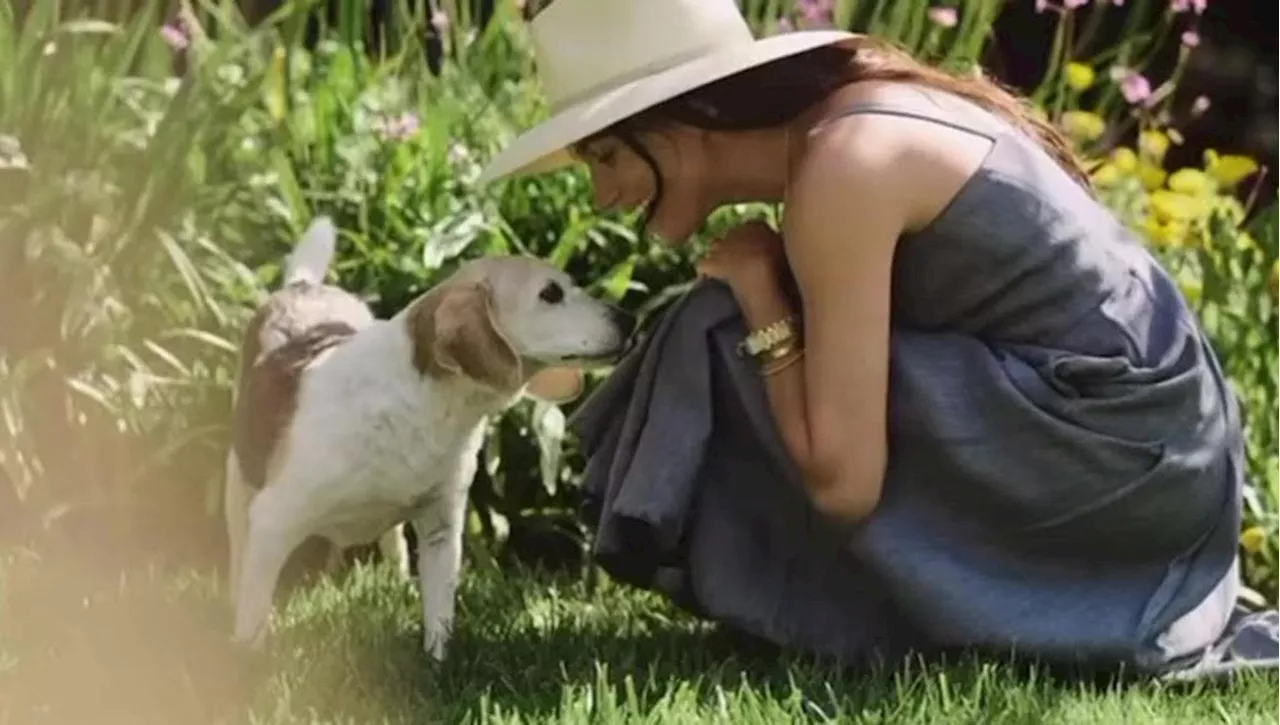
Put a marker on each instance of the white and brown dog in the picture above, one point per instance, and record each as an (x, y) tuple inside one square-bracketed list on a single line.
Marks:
[(347, 426)]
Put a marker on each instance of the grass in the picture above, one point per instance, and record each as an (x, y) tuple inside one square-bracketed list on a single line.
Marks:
[(80, 645)]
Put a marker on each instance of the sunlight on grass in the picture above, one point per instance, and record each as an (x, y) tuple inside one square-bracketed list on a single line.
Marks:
[(148, 648)]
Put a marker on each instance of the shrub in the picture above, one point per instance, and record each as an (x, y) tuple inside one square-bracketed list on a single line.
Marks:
[(112, 359)]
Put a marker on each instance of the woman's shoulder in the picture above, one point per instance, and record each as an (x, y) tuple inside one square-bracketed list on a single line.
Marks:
[(904, 154)]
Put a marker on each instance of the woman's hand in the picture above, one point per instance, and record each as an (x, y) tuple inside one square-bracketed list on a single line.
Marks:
[(750, 259)]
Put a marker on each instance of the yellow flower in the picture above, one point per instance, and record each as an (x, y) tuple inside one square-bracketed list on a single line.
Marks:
[(1231, 207), (1079, 76), (1170, 206), (1153, 144), (1152, 176), (1252, 539), (1191, 181), (1125, 159), (1106, 175), (1172, 233), (1151, 227), (1083, 125), (1230, 169)]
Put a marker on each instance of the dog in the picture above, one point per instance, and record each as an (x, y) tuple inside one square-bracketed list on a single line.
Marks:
[(347, 426)]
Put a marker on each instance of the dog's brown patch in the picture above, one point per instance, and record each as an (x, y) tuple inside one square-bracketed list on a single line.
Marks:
[(454, 333), (268, 390)]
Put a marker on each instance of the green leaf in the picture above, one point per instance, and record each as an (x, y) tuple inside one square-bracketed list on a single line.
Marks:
[(205, 337), (88, 26), (451, 237), (617, 281)]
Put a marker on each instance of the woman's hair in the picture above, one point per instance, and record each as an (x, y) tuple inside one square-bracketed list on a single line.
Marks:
[(777, 92)]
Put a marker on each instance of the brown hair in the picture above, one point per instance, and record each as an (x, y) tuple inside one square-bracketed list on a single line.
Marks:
[(777, 92)]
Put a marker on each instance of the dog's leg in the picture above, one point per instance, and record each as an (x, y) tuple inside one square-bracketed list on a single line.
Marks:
[(395, 550), (439, 529), (235, 504), (275, 530)]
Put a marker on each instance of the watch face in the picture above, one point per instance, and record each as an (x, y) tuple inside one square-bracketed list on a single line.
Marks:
[(758, 341)]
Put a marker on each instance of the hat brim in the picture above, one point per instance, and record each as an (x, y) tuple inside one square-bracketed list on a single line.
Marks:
[(544, 147)]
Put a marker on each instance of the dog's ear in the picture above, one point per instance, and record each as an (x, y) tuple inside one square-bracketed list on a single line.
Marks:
[(454, 331), (557, 384)]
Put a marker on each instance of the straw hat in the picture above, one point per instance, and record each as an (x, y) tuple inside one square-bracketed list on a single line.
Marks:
[(601, 61)]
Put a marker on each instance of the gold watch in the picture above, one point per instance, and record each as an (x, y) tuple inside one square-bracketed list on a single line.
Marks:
[(770, 336)]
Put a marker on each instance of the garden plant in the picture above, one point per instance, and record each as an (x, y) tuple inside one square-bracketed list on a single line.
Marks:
[(156, 165)]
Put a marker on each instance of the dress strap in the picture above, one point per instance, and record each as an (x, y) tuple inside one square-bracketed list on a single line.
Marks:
[(884, 109)]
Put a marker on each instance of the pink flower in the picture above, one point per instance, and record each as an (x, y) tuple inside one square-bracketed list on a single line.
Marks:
[(175, 36), (1073, 4), (816, 13), (1135, 88), (1190, 39), (1182, 6), (944, 17), (440, 20), (1042, 5), (397, 128)]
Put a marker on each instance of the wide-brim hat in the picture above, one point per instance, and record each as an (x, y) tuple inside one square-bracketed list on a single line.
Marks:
[(602, 61)]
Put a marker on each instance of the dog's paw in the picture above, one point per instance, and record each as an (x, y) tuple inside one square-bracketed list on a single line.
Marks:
[(436, 641)]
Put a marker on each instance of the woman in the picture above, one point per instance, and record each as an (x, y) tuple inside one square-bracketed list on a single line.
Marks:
[(1052, 391)]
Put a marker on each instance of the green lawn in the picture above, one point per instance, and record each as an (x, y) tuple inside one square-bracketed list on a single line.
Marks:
[(78, 646)]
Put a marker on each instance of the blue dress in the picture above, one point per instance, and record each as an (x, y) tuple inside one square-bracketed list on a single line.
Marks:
[(1058, 409)]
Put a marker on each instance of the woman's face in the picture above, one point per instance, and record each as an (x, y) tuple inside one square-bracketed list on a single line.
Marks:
[(624, 182)]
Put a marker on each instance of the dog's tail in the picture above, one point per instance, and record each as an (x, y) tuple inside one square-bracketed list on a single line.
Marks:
[(310, 259)]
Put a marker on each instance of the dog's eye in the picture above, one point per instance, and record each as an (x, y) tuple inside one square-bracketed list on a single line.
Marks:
[(552, 294)]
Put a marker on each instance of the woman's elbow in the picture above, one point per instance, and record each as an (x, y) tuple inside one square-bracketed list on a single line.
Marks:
[(849, 492)]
